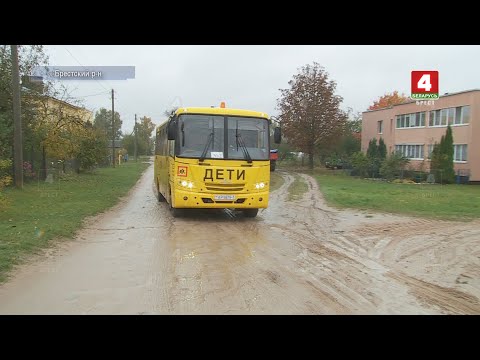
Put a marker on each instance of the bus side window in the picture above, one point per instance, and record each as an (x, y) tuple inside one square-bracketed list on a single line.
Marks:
[(157, 143), (164, 143)]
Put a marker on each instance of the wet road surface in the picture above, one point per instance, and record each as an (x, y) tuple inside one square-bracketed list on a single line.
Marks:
[(299, 257)]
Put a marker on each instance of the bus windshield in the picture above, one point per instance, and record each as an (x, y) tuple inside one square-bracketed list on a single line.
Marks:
[(222, 137)]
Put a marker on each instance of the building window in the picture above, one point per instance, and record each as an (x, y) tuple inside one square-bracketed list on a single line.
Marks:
[(462, 115), (380, 127), (443, 117), (454, 116), (438, 118), (460, 152), (429, 150), (410, 151), (411, 120)]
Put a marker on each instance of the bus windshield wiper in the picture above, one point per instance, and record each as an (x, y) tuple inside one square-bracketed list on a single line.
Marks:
[(240, 142), (183, 133), (205, 150)]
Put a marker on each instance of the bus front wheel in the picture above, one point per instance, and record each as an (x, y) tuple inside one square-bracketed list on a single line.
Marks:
[(251, 213), (175, 212)]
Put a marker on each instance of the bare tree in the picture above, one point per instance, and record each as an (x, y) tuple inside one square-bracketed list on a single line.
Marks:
[(310, 113)]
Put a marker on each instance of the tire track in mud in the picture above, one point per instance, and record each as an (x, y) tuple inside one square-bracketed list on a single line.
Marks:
[(450, 301), (310, 225), (360, 257)]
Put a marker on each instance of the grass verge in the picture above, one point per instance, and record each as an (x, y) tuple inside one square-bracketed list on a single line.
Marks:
[(449, 202), (43, 211)]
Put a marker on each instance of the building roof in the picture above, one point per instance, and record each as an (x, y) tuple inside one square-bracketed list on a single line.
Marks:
[(412, 101), (27, 90)]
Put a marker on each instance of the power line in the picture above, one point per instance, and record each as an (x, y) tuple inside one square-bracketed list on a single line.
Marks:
[(102, 93), (84, 66)]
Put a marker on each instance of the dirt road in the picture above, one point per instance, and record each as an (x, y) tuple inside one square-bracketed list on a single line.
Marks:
[(297, 257)]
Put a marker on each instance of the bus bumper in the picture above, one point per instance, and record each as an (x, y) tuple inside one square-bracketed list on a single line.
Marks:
[(189, 199)]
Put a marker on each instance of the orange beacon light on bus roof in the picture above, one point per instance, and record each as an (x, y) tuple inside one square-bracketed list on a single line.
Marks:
[(222, 104)]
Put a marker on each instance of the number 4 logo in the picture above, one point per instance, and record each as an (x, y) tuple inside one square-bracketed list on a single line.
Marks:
[(424, 82), (424, 85)]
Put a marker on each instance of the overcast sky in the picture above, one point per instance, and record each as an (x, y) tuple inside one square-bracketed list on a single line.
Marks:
[(250, 76)]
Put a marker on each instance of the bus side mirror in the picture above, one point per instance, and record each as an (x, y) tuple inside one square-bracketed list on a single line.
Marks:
[(172, 130), (277, 135)]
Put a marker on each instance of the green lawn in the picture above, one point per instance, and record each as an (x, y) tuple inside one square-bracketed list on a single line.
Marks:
[(41, 211), (455, 202), (297, 188), (276, 181)]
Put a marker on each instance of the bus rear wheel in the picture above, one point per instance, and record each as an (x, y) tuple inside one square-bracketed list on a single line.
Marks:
[(251, 213)]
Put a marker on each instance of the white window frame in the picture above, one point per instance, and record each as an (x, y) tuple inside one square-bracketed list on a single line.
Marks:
[(412, 117), (380, 126), (462, 121), (415, 149), (436, 121), (455, 150)]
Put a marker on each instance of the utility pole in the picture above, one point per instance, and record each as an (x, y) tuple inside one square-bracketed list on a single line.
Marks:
[(135, 129), (113, 130), (17, 132)]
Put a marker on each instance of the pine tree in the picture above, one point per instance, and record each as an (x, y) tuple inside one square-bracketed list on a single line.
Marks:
[(372, 150), (435, 162), (382, 150), (442, 159), (447, 159), (372, 155)]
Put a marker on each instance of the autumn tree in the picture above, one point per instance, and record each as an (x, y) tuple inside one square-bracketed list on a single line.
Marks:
[(92, 149), (103, 122), (60, 128), (354, 123), (144, 135), (309, 110), (351, 140), (29, 57), (388, 100)]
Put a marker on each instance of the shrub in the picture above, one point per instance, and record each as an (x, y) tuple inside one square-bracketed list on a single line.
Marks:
[(5, 179), (28, 173), (392, 166), (360, 164)]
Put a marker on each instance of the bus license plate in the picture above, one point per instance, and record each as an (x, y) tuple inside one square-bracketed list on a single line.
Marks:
[(224, 197)]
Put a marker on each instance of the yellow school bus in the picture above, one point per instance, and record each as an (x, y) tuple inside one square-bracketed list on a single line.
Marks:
[(214, 157)]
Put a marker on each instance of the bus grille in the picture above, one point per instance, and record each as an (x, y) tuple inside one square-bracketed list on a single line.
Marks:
[(225, 187)]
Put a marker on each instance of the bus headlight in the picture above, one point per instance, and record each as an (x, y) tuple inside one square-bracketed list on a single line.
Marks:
[(259, 185), (187, 184)]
